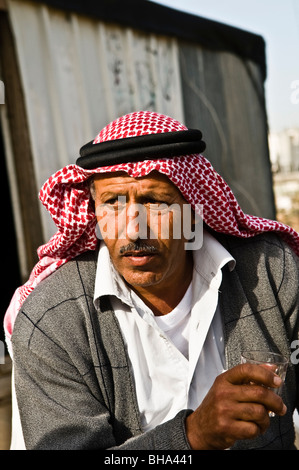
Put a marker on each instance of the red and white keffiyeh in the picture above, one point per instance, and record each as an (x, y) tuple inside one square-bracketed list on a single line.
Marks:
[(67, 197)]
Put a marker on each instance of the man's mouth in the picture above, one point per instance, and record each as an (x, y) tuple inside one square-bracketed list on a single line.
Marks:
[(138, 248), (137, 255), (139, 258)]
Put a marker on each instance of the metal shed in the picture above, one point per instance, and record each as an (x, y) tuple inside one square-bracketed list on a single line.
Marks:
[(69, 67)]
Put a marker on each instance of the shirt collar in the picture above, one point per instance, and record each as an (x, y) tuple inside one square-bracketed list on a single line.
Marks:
[(208, 261), (108, 281), (211, 257)]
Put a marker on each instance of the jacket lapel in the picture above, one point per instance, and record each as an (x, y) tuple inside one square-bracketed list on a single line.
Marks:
[(241, 327)]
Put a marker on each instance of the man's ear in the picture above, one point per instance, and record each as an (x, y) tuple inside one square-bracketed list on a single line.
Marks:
[(92, 188)]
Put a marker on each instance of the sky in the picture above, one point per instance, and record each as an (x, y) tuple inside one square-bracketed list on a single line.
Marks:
[(278, 22)]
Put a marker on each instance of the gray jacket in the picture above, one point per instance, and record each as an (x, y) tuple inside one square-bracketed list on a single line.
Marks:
[(74, 385)]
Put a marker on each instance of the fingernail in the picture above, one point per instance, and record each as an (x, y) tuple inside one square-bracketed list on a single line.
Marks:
[(277, 381)]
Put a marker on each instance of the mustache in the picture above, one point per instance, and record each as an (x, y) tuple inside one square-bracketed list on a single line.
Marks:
[(138, 246)]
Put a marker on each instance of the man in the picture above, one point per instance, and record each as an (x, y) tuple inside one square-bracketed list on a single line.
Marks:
[(134, 342)]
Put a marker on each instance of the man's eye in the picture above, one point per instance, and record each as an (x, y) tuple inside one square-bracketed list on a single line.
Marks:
[(115, 200), (111, 201), (115, 204)]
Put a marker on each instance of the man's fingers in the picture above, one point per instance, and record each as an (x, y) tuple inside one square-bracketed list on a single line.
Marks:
[(254, 384), (252, 373), (255, 394), (254, 412), (236, 407)]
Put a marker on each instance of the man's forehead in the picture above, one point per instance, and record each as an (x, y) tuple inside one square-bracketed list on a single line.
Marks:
[(153, 179)]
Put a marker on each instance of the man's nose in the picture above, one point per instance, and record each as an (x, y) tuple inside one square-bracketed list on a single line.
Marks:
[(136, 221)]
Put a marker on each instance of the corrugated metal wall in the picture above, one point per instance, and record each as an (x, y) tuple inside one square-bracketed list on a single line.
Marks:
[(223, 95), (78, 74)]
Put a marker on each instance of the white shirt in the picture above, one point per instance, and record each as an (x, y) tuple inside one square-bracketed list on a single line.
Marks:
[(174, 358)]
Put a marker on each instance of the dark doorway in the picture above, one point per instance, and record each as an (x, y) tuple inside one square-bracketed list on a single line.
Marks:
[(10, 278)]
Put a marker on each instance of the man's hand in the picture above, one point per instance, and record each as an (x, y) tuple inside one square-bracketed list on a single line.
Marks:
[(236, 407)]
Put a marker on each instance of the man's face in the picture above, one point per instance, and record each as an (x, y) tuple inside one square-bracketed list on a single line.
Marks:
[(141, 221)]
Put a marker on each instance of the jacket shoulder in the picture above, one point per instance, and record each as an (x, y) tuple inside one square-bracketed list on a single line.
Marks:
[(71, 280), (265, 245), (60, 303), (267, 269)]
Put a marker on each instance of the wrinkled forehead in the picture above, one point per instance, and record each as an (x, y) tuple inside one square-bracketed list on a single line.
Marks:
[(154, 182), (122, 174)]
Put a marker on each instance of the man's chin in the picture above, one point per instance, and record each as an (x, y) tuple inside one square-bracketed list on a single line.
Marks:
[(142, 279)]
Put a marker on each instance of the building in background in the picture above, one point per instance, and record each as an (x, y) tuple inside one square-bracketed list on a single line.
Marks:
[(284, 154), (284, 150)]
